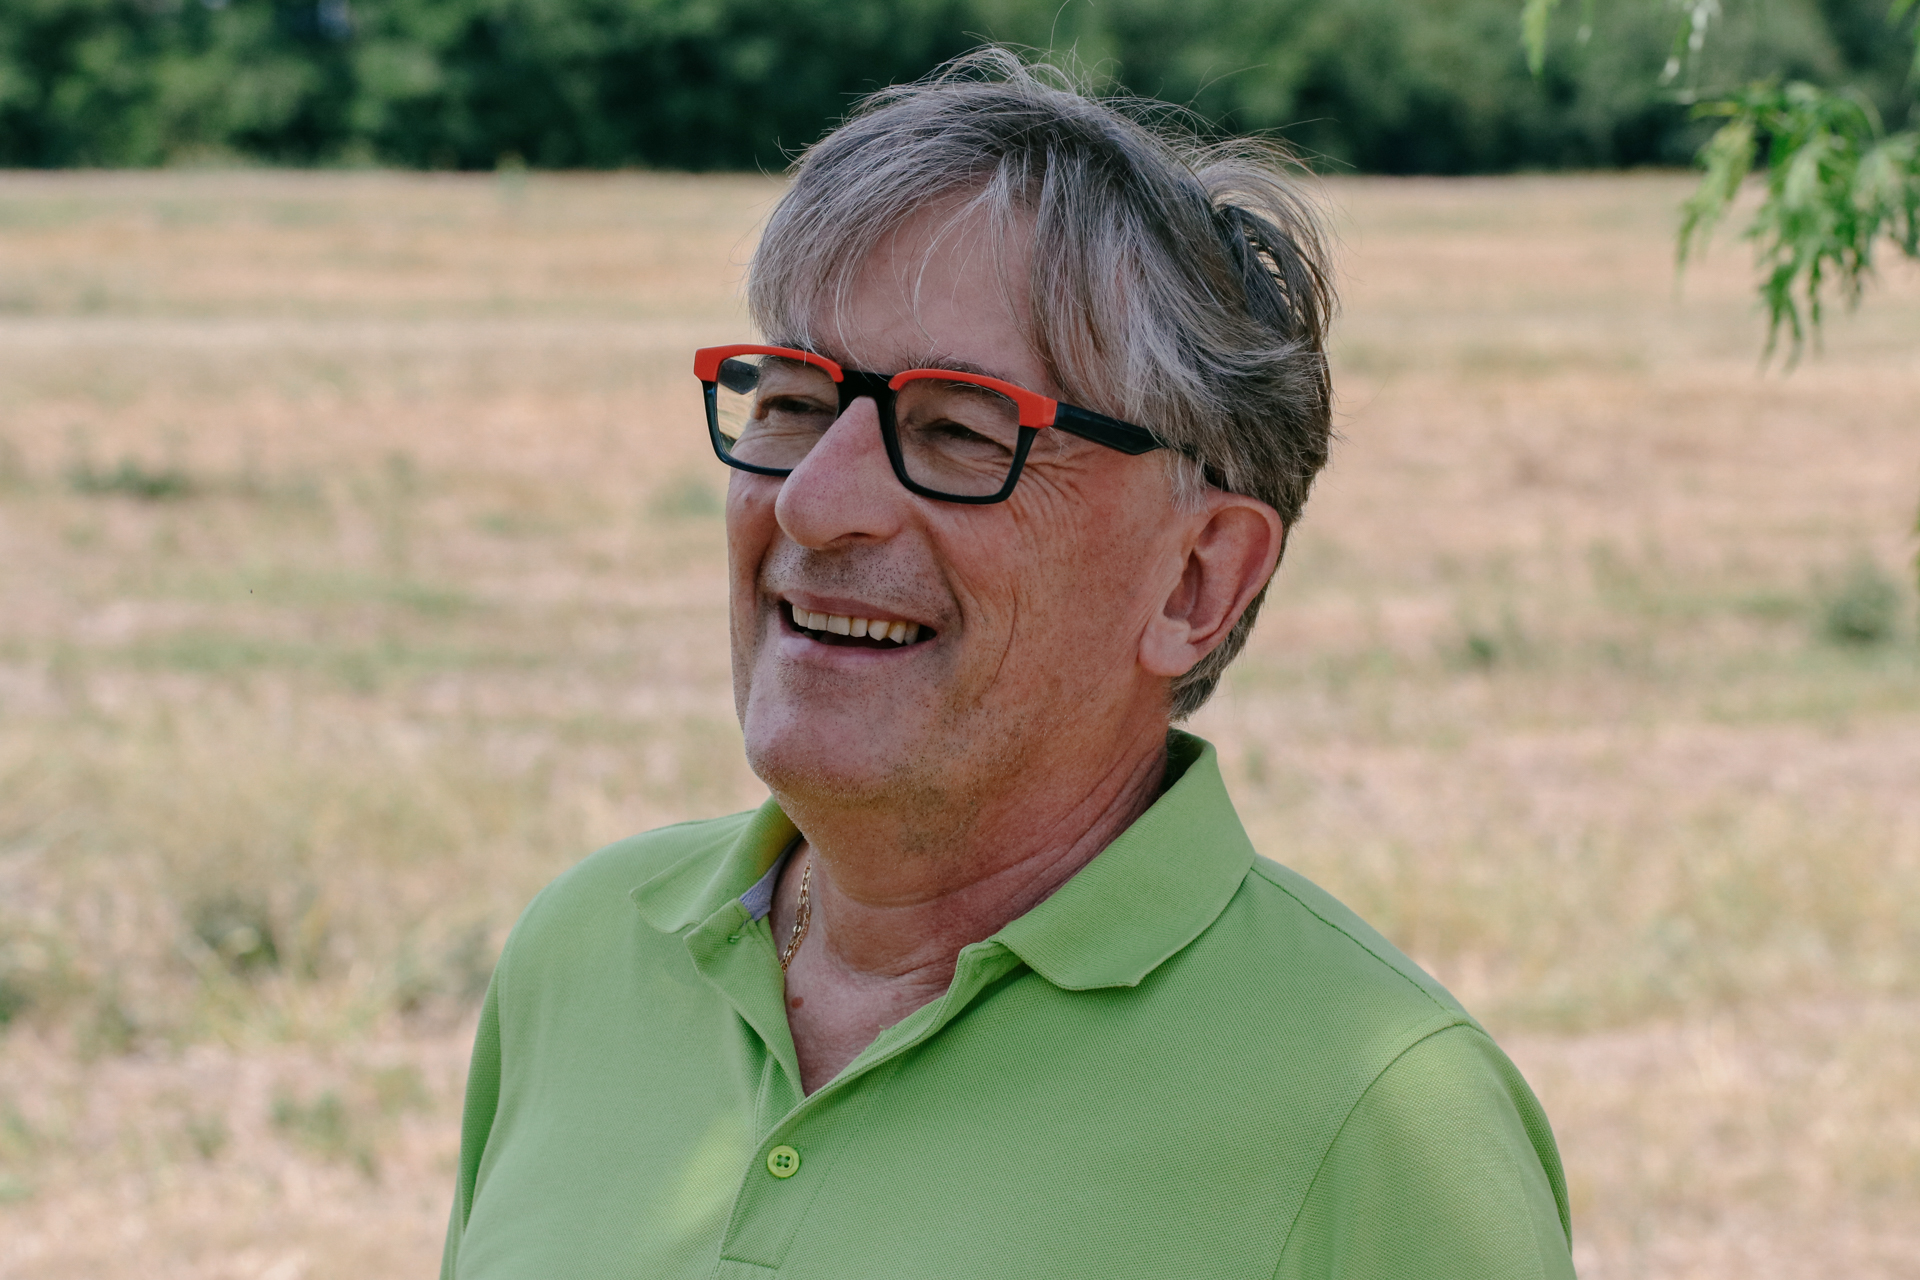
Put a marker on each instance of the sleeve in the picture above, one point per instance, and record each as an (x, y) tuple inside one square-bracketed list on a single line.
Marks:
[(1445, 1169), (476, 1121)]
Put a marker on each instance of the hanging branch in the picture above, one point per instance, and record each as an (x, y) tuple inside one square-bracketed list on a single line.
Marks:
[(1837, 184)]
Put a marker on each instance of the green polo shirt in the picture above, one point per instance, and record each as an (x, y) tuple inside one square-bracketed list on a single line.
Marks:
[(1187, 1063)]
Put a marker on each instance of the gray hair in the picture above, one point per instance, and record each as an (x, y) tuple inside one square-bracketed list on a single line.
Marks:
[(1181, 284)]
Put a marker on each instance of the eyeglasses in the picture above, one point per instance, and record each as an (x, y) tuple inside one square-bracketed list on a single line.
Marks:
[(957, 437)]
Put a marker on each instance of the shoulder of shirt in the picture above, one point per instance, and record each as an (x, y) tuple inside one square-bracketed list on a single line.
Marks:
[(1351, 950), (601, 884)]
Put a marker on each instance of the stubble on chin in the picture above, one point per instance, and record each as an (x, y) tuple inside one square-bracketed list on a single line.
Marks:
[(932, 795)]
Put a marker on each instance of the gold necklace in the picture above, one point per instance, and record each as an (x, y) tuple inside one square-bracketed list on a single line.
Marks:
[(802, 917)]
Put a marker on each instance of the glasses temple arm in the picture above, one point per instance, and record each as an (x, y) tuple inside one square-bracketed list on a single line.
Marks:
[(1111, 432), (1124, 436)]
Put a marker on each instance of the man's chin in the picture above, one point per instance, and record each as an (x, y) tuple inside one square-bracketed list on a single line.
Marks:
[(837, 756)]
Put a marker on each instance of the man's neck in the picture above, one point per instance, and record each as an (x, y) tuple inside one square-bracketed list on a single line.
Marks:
[(888, 926)]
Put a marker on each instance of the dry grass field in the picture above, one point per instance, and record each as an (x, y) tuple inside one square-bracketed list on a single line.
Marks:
[(360, 568)]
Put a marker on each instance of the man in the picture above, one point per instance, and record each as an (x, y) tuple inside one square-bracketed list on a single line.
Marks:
[(994, 984)]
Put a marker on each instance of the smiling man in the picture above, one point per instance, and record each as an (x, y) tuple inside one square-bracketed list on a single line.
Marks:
[(994, 984)]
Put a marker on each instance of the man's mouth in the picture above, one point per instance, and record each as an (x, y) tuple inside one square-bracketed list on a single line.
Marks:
[(863, 633)]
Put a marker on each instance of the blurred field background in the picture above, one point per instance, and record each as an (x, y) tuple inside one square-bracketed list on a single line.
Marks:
[(361, 567)]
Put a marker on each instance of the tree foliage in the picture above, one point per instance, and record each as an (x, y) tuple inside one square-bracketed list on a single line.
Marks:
[(1837, 184), (1399, 86)]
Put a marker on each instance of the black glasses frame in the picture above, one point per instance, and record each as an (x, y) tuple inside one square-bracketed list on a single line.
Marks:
[(855, 384)]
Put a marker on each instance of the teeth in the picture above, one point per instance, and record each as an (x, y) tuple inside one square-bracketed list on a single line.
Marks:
[(842, 625)]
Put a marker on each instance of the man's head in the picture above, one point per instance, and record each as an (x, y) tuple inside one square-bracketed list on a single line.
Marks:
[(990, 223)]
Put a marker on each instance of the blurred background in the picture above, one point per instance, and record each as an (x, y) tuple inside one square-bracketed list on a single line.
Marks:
[(361, 567), (1378, 86)]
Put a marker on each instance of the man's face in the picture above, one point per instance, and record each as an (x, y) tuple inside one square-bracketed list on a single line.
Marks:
[(1030, 611)]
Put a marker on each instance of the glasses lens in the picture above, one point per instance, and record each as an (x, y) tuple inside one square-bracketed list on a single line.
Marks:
[(770, 411), (956, 437)]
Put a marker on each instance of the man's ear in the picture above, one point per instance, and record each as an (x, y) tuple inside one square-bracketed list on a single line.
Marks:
[(1232, 547)]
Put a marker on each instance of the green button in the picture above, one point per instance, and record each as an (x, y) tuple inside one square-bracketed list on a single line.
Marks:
[(783, 1162)]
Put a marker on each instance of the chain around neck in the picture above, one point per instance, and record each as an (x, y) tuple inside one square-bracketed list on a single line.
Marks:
[(802, 917)]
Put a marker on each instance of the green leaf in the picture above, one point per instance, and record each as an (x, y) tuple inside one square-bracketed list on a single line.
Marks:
[(1727, 158), (1895, 12), (1533, 31)]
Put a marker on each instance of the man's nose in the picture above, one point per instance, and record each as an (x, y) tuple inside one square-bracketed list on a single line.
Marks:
[(845, 486)]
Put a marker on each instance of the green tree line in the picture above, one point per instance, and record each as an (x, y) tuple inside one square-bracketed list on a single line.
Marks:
[(1394, 86)]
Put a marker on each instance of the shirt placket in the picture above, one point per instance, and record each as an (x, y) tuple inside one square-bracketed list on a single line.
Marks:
[(801, 1137)]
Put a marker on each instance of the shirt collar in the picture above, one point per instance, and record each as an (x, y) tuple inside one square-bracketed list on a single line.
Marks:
[(758, 901), (1149, 893), (692, 889), (1143, 898)]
